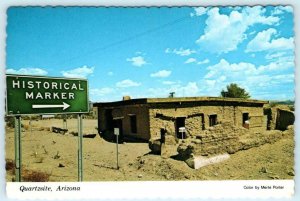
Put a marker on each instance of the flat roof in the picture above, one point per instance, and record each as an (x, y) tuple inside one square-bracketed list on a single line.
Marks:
[(179, 99)]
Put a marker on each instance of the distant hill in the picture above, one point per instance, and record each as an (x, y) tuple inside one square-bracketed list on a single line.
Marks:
[(287, 102)]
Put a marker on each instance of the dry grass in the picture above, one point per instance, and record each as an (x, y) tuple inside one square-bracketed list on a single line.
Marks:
[(35, 176), (27, 175)]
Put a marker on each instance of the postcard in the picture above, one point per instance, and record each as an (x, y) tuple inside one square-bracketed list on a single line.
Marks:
[(109, 102)]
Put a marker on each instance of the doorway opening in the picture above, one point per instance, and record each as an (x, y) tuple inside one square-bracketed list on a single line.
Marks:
[(180, 123), (245, 120)]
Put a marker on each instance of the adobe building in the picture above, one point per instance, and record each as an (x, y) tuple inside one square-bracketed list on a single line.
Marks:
[(148, 118)]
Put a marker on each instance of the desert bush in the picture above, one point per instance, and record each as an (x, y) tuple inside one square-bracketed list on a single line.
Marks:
[(27, 175), (10, 122), (35, 176), (9, 165)]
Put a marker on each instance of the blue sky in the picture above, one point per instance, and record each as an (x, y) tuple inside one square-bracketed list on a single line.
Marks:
[(150, 52)]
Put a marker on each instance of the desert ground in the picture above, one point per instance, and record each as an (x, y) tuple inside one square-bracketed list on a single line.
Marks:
[(56, 155)]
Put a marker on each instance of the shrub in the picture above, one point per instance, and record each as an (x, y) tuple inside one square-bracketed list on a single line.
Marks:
[(10, 122), (35, 176), (9, 165)]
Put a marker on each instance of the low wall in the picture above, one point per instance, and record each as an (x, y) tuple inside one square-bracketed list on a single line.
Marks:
[(284, 119), (225, 138)]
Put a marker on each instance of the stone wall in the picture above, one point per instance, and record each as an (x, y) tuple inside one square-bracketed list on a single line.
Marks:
[(284, 119), (226, 138), (197, 118), (279, 117)]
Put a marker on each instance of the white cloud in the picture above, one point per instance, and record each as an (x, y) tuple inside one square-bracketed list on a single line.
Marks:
[(162, 73), (127, 83), (191, 89), (169, 82), (81, 72), (275, 55), (258, 80), (263, 42), (137, 61), (238, 71), (101, 91), (278, 10), (231, 27), (110, 73), (205, 61), (199, 11), (27, 71), (181, 51), (224, 67), (190, 60)]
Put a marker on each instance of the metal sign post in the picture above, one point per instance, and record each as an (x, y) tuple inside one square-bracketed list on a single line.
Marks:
[(18, 149), (45, 95), (182, 130), (30, 124), (117, 132), (80, 163), (65, 124)]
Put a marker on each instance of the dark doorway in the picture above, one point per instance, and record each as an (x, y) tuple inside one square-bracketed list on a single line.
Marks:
[(212, 120), (108, 120), (162, 135), (117, 123), (180, 122), (246, 120)]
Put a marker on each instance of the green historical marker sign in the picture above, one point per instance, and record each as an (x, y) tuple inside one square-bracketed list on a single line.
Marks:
[(45, 95)]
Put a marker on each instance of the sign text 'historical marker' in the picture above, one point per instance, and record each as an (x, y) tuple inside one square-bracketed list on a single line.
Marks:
[(46, 95)]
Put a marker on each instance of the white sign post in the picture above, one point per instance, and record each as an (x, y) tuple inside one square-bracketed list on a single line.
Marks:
[(117, 132), (182, 130)]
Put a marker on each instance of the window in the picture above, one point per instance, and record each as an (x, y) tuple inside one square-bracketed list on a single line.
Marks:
[(212, 120), (133, 126)]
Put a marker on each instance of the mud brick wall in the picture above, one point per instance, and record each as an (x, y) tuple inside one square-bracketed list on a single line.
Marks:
[(279, 117), (218, 139), (284, 119), (197, 118), (224, 138)]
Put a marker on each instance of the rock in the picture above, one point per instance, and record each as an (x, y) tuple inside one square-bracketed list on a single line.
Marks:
[(168, 177), (142, 161), (155, 146), (61, 165), (187, 176), (263, 170), (190, 162), (170, 140), (140, 176), (168, 150), (274, 176), (291, 173)]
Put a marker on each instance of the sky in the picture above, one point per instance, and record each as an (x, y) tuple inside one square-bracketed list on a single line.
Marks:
[(150, 52)]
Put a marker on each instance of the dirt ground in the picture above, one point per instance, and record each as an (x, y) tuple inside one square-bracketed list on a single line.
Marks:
[(43, 151)]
